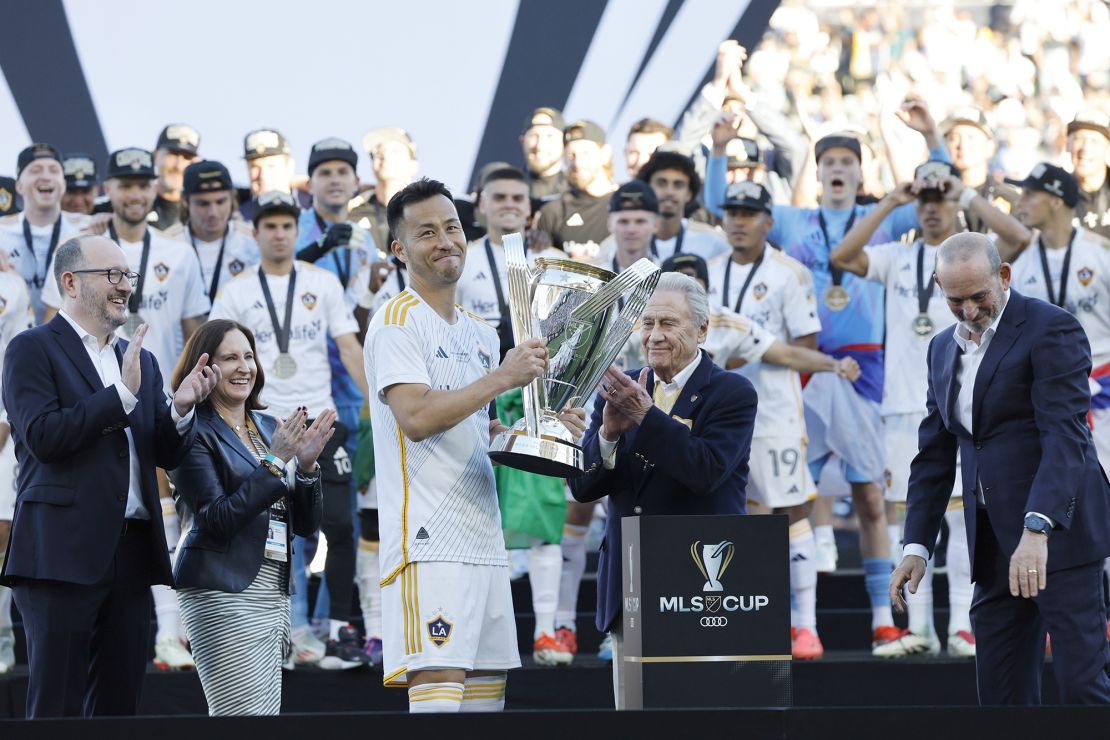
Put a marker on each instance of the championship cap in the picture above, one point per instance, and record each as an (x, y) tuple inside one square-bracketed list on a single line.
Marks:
[(832, 141), (274, 202), (1093, 120), (672, 160), (131, 162), (331, 149), (33, 152), (9, 200), (584, 130), (742, 152), (179, 137), (374, 138), (934, 173), (1048, 178), (206, 176), (545, 116), (748, 195), (635, 195), (686, 261), (80, 170), (264, 142), (966, 116)]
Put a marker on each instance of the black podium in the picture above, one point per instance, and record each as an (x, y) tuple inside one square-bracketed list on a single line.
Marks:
[(706, 612)]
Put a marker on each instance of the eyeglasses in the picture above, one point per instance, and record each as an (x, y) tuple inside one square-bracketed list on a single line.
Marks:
[(114, 276)]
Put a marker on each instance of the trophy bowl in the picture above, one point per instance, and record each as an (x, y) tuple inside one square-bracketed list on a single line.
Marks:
[(586, 314)]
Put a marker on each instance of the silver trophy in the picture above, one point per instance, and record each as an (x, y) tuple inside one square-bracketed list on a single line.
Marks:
[(713, 561), (586, 314)]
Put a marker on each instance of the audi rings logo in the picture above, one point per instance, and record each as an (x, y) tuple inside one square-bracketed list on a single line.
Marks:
[(714, 621)]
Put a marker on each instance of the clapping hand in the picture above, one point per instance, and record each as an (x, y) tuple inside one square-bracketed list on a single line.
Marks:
[(627, 401), (287, 436), (314, 440), (194, 388)]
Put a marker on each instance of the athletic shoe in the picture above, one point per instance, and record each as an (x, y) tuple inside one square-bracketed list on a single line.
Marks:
[(826, 557), (546, 650), (890, 642), (961, 645), (306, 648), (806, 645), (170, 654), (605, 650), (345, 652), (567, 637), (7, 649), (373, 650)]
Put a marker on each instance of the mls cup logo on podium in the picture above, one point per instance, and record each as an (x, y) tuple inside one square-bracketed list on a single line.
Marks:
[(712, 561)]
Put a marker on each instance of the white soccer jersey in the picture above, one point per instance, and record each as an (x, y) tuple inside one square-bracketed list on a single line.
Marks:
[(732, 335), (1088, 291), (359, 295), (172, 291), (15, 316), (240, 251), (905, 377), (706, 243), (779, 298), (34, 264), (476, 291), (319, 309), (437, 499)]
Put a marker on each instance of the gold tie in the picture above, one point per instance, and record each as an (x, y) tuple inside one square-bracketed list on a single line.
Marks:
[(663, 398)]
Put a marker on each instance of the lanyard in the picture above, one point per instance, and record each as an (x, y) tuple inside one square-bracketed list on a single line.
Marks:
[(925, 287), (1063, 272), (836, 273), (744, 287), (341, 268), (219, 261), (496, 281), (281, 333), (39, 280), (136, 299), (677, 243)]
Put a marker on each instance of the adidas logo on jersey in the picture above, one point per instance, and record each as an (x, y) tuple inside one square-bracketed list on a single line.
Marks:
[(798, 557), (258, 306), (422, 534), (905, 267), (440, 353), (575, 220), (793, 489), (481, 276)]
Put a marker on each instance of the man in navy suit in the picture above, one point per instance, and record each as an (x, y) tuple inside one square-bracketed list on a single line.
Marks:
[(1008, 389), (90, 423), (672, 438)]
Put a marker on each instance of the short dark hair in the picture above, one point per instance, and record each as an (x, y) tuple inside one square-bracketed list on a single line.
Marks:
[(505, 173), (68, 258), (207, 339), (671, 160), (415, 192), (650, 126)]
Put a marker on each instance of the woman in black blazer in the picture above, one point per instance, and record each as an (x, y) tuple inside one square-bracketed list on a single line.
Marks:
[(250, 482)]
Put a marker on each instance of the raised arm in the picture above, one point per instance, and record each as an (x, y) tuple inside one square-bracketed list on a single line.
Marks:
[(848, 254)]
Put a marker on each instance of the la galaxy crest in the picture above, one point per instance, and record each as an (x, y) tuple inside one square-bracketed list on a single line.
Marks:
[(439, 631), (485, 358), (161, 271), (235, 267), (309, 300)]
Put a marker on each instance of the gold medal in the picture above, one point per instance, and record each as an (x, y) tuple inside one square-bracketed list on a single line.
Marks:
[(134, 321), (836, 298), (923, 326), (285, 367)]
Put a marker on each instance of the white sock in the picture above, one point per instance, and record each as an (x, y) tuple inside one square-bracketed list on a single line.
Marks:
[(959, 573), (429, 698), (824, 533), (920, 604), (369, 587), (170, 525), (803, 575), (545, 569), (167, 612), (334, 625), (574, 566), (894, 534), (484, 693)]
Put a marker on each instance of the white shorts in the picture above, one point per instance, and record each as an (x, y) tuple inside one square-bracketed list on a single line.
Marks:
[(900, 444), (448, 615), (778, 474), (8, 485)]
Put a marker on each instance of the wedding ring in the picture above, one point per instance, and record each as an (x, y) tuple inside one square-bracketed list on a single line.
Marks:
[(1031, 570)]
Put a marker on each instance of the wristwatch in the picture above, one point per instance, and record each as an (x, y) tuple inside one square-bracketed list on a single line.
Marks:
[(274, 464), (1037, 524)]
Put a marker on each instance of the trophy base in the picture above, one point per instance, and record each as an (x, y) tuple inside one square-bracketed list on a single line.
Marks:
[(543, 456)]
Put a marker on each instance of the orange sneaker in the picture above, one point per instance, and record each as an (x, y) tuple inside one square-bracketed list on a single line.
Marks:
[(546, 651), (568, 639), (806, 645)]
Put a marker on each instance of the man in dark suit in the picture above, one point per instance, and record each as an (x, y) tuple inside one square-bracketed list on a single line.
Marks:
[(90, 423), (1008, 390), (679, 448)]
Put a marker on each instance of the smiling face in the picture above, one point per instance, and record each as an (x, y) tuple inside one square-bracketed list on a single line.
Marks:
[(672, 188), (431, 242), (969, 146), (584, 160), (639, 149), (333, 184), (42, 184), (543, 148), (274, 172), (840, 174), (1088, 150), (89, 296), (236, 361), (131, 198), (632, 231), (974, 293), (170, 167), (668, 335), (505, 204)]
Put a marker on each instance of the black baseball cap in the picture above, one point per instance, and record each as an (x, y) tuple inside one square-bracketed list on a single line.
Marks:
[(742, 152), (206, 176), (274, 202), (131, 162), (9, 199), (672, 160), (80, 170), (748, 195), (1092, 120), (264, 142), (584, 130), (1048, 178), (545, 116), (685, 260), (934, 172), (832, 141), (179, 137), (33, 152), (635, 195), (329, 150), (966, 116)]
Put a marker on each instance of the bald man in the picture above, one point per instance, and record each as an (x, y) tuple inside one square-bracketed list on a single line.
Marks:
[(1008, 389)]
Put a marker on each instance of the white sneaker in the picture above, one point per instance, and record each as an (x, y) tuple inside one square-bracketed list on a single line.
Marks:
[(170, 654), (308, 649), (908, 644), (961, 645), (826, 557), (7, 650)]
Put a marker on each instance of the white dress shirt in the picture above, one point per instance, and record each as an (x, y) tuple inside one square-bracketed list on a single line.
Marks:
[(608, 449), (108, 368)]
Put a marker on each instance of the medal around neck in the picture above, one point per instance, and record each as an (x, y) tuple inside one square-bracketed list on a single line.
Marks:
[(577, 308), (836, 298), (285, 366), (923, 326)]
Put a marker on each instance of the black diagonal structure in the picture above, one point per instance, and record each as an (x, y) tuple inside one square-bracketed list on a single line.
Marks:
[(40, 62), (545, 53), (661, 28)]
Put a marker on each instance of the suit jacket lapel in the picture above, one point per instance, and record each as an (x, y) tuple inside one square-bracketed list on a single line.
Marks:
[(1004, 337), (951, 365), (75, 350)]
